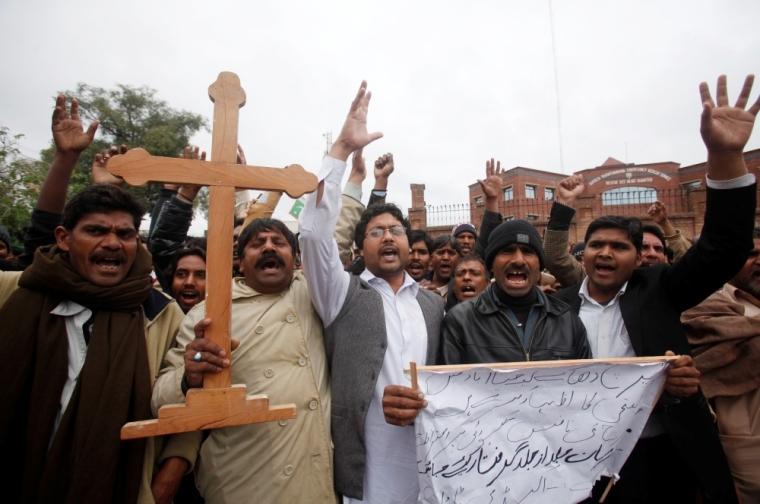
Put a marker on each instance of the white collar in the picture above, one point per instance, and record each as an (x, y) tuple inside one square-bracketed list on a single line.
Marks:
[(409, 282), (586, 297), (68, 308)]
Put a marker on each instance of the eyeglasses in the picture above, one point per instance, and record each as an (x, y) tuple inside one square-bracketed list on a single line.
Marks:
[(379, 232)]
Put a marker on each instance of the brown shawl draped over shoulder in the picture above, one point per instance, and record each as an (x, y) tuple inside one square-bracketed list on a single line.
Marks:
[(87, 462), (725, 344)]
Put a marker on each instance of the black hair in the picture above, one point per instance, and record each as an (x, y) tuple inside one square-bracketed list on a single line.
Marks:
[(101, 198), (196, 241), (421, 235), (179, 254), (655, 230), (472, 257), (239, 221), (372, 212), (446, 239), (257, 226), (630, 225)]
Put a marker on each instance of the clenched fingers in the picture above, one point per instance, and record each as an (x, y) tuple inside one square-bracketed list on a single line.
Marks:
[(402, 404)]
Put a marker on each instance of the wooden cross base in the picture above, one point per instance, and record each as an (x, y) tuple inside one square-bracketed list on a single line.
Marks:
[(210, 409)]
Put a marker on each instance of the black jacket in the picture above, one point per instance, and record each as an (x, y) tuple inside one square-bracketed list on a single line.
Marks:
[(651, 308), (478, 331), (171, 221)]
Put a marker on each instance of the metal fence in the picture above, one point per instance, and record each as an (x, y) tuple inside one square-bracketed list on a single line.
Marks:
[(633, 202)]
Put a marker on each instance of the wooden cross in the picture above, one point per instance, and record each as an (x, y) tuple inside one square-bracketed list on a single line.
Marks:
[(217, 404)]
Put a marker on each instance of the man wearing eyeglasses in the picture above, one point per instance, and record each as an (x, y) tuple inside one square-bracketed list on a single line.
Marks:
[(374, 323)]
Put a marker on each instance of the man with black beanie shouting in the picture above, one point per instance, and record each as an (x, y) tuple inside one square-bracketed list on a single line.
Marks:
[(512, 320)]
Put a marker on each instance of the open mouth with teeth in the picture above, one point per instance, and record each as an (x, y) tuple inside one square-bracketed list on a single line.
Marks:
[(604, 269), (389, 254), (270, 264), (468, 291), (517, 279), (108, 263), (190, 296)]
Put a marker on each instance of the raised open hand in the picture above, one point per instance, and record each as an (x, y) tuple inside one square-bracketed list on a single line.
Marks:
[(68, 133), (727, 128), (493, 183), (354, 134), (570, 189), (100, 173)]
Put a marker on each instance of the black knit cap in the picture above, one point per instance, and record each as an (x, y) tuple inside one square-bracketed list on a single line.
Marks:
[(514, 231)]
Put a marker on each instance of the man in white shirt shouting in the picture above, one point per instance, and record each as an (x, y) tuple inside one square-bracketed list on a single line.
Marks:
[(374, 323)]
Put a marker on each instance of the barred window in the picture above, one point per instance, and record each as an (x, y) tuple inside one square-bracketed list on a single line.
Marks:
[(629, 196)]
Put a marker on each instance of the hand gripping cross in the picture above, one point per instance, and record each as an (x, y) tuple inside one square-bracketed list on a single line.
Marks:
[(217, 404)]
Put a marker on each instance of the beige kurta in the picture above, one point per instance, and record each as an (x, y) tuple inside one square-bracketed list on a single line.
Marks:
[(281, 354)]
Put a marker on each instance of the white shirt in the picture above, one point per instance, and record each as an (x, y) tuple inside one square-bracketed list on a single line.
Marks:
[(605, 330), (76, 315), (391, 460)]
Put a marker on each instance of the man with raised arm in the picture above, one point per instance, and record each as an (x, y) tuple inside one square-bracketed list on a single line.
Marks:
[(375, 324), (87, 333), (281, 353), (560, 262), (352, 207), (635, 312)]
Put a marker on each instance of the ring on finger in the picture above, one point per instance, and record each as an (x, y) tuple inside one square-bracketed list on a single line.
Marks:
[(197, 357)]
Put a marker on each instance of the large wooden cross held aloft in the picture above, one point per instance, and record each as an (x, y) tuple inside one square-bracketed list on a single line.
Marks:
[(217, 404)]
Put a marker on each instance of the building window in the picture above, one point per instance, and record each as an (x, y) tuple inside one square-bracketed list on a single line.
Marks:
[(509, 217), (548, 193), (478, 200), (508, 193), (629, 196), (692, 185), (531, 217), (530, 191)]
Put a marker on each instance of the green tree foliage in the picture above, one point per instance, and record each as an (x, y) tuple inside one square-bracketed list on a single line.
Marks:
[(20, 182), (132, 116)]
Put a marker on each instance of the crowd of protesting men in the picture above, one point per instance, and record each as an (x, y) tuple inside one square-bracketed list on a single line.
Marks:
[(101, 329)]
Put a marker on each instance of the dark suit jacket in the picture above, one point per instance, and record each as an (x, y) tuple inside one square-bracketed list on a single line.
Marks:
[(651, 308)]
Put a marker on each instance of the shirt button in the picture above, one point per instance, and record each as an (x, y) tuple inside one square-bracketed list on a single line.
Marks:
[(290, 318), (269, 373), (283, 423), (313, 405), (289, 470), (302, 361), (259, 329)]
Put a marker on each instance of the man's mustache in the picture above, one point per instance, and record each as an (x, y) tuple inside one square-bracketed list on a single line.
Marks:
[(267, 256), (102, 255)]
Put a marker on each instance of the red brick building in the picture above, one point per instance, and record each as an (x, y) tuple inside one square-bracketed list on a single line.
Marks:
[(613, 187)]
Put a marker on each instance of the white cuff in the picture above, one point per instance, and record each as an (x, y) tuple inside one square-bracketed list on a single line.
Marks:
[(743, 181)]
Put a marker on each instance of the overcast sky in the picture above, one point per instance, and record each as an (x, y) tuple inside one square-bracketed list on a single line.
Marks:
[(453, 83)]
